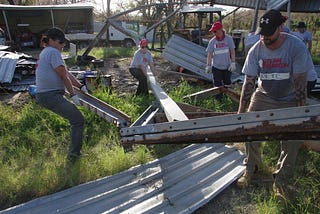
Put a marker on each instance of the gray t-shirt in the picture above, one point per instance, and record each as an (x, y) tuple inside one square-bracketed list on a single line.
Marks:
[(275, 68), (47, 78), (221, 52), (140, 58), (305, 36)]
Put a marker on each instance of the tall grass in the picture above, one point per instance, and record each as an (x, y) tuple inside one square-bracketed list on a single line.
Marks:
[(33, 149)]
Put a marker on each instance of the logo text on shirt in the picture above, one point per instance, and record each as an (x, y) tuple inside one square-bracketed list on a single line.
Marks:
[(272, 63)]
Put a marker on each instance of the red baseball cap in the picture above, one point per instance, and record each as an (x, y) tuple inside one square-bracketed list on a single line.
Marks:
[(216, 26), (143, 42)]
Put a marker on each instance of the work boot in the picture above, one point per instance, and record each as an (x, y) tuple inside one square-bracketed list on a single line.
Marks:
[(244, 180)]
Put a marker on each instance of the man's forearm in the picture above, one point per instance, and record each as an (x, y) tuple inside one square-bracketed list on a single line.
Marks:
[(246, 93), (300, 84)]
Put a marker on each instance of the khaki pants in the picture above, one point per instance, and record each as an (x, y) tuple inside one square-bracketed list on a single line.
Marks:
[(289, 149)]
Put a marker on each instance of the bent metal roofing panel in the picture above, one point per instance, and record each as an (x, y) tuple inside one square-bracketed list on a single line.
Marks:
[(180, 182), (306, 6)]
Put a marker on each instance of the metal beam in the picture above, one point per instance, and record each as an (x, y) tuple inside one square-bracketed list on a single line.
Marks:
[(214, 91), (171, 109), (115, 17), (296, 123), (192, 112), (147, 116), (104, 110)]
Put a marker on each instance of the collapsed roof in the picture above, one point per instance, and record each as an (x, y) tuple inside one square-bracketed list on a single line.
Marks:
[(306, 6)]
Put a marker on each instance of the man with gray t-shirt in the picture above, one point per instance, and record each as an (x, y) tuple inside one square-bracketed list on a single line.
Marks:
[(280, 62)]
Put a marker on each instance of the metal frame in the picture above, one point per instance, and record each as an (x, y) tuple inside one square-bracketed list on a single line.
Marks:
[(296, 123), (103, 109), (171, 109)]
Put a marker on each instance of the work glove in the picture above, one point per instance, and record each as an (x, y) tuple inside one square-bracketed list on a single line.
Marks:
[(208, 69), (75, 99), (232, 67), (84, 89)]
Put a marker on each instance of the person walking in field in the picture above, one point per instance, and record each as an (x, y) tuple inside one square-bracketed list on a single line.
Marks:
[(138, 67), (303, 34), (306, 37), (52, 79), (280, 62), (221, 58)]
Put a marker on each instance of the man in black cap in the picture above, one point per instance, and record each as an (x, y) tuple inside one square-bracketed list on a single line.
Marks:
[(280, 62)]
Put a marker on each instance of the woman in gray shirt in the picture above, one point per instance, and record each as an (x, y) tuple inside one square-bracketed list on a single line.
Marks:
[(52, 79)]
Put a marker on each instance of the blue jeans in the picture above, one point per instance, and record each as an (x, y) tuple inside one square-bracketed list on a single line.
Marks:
[(56, 102)]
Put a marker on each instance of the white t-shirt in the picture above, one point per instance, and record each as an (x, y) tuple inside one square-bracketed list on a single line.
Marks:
[(140, 58)]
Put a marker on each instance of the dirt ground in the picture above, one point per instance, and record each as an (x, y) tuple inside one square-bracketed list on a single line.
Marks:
[(123, 81)]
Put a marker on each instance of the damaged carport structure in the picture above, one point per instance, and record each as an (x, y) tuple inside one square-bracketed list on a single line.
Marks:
[(295, 123), (180, 182), (279, 124)]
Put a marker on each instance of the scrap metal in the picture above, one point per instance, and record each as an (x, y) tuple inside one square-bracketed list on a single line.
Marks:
[(296, 123), (214, 91), (192, 57), (171, 109), (104, 110), (180, 182)]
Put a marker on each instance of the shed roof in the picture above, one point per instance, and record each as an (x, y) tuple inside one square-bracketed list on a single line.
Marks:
[(306, 6), (46, 7)]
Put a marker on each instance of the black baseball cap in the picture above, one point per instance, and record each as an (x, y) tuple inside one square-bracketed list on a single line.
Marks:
[(302, 25), (56, 33), (269, 22)]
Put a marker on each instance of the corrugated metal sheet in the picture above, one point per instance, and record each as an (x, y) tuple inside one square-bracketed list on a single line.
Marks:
[(276, 4), (307, 6), (8, 62), (22, 85), (241, 3), (45, 7), (191, 56), (178, 183), (187, 54)]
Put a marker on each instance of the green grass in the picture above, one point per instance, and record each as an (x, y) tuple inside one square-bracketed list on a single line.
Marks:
[(33, 150)]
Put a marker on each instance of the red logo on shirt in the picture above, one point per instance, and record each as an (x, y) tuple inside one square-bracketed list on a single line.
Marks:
[(145, 60), (274, 63), (221, 45)]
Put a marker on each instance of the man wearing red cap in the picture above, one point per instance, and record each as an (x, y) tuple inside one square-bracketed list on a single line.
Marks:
[(280, 62), (141, 59), (220, 56)]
